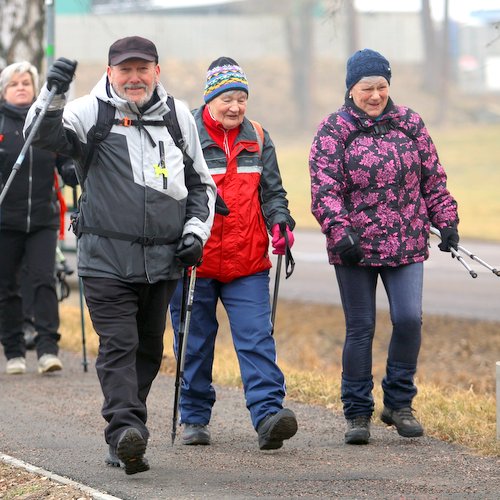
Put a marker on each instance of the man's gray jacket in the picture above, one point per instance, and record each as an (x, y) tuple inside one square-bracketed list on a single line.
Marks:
[(136, 185)]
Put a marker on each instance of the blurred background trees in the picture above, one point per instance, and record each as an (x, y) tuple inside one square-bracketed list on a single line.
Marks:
[(22, 31), (294, 51)]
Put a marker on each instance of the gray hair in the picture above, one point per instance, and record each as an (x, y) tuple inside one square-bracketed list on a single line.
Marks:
[(20, 67)]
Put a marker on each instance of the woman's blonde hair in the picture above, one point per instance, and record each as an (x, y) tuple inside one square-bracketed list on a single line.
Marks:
[(20, 67)]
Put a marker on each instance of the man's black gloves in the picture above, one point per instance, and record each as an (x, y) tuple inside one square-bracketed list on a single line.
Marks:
[(189, 250), (349, 250), (61, 74), (449, 239)]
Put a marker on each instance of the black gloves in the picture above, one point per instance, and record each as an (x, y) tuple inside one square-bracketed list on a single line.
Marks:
[(220, 206), (189, 250), (449, 239), (61, 74), (68, 174), (349, 250)]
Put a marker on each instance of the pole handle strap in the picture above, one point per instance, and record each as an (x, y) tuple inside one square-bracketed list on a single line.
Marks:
[(289, 260)]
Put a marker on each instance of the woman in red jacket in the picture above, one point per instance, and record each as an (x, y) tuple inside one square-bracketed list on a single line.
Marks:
[(235, 268)]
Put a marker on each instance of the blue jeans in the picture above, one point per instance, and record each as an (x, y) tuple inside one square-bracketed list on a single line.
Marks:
[(357, 287), (246, 301)]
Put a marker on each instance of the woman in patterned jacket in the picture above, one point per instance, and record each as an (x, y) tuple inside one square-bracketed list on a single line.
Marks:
[(377, 186)]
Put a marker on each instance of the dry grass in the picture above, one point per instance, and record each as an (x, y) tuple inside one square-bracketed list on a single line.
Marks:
[(456, 377)]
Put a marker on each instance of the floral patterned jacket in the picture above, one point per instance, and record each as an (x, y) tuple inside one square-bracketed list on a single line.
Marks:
[(386, 187)]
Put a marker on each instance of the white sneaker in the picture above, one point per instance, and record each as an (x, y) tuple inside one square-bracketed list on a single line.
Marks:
[(16, 366), (49, 363)]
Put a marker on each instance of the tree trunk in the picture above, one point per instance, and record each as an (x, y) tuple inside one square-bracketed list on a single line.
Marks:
[(22, 31), (445, 67), (299, 29), (353, 28), (430, 69)]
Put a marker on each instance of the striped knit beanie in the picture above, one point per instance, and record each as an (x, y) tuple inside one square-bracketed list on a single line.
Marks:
[(224, 74)]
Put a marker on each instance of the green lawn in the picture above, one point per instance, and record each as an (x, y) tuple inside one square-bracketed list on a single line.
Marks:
[(470, 155)]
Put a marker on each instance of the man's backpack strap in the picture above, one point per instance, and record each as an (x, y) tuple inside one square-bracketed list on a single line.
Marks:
[(105, 118), (259, 132), (174, 129), (144, 241)]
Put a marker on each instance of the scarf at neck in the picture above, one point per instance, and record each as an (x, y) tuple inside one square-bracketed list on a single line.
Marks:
[(13, 110)]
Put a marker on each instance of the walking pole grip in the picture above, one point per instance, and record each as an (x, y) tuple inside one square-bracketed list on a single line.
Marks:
[(455, 254)]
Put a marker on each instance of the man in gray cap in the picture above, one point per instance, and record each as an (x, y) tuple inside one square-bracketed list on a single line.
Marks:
[(144, 214)]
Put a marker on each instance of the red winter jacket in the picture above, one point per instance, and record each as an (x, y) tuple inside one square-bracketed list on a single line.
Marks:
[(250, 184)]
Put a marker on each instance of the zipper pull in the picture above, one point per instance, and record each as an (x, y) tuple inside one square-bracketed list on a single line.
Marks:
[(161, 169)]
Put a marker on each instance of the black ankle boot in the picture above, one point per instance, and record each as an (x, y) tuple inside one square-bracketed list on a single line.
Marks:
[(404, 421), (358, 430)]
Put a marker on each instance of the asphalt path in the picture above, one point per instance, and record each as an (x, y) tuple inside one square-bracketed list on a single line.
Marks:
[(449, 289), (53, 421)]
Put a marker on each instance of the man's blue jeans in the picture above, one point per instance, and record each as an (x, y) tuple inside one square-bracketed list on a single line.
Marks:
[(357, 287)]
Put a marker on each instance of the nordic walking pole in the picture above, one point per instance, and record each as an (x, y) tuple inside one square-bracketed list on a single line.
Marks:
[(276, 291), (82, 309), (27, 143), (480, 261), (456, 254), (186, 308), (289, 265), (82, 319), (180, 339)]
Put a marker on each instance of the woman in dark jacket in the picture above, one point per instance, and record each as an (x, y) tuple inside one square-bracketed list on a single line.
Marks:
[(377, 185), (29, 222)]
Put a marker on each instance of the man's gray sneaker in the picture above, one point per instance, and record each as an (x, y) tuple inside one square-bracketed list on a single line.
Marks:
[(194, 434), (358, 430), (404, 421), (130, 450), (275, 428)]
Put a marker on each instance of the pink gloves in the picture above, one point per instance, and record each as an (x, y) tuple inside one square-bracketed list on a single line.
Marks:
[(278, 240)]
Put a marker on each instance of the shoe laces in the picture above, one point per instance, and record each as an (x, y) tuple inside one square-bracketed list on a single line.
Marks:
[(406, 413), (359, 421)]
